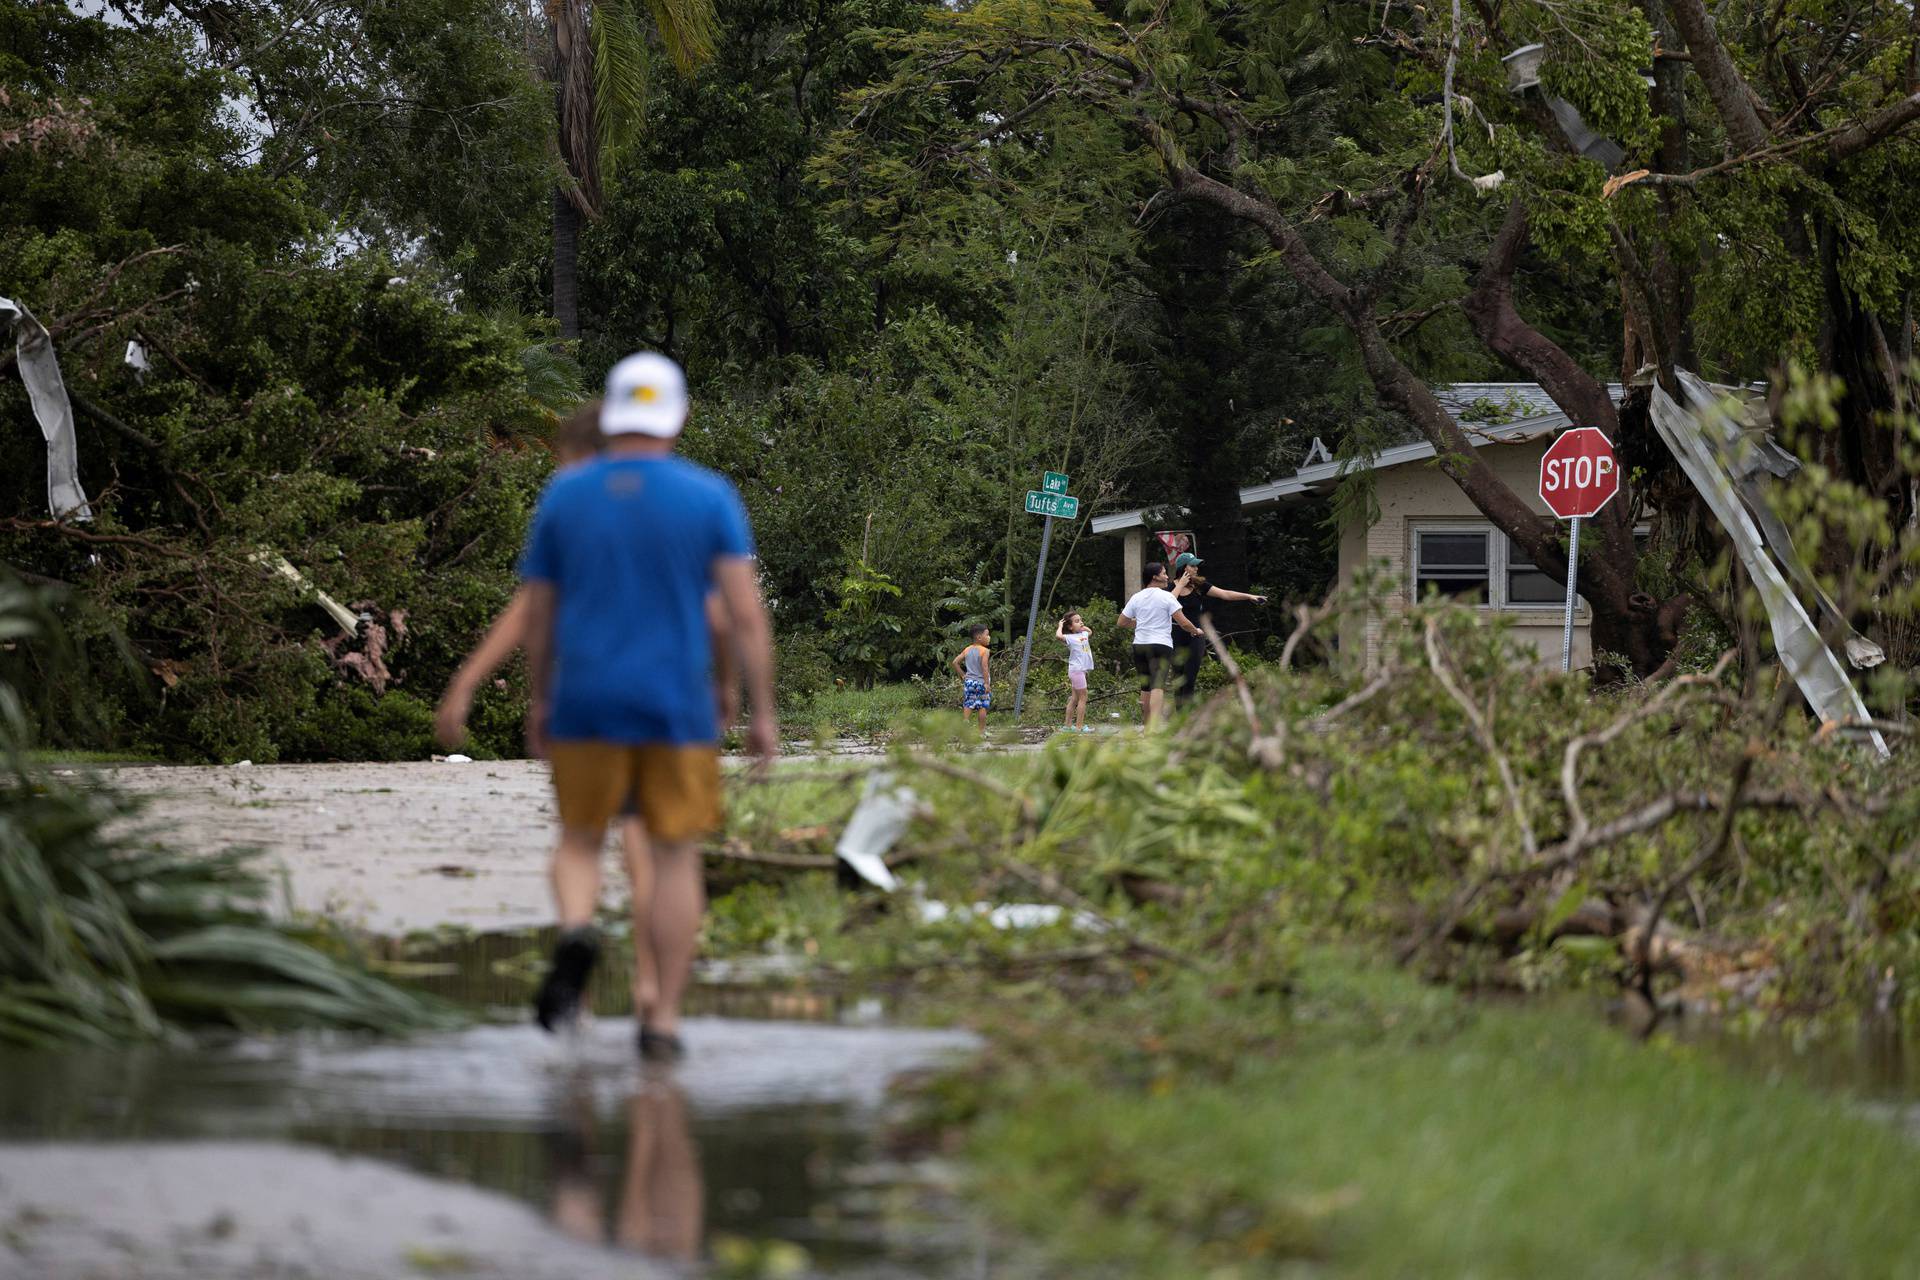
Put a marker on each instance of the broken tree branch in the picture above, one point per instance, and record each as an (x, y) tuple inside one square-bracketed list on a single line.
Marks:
[(1577, 822), (1267, 750), (1732, 97), (1442, 671)]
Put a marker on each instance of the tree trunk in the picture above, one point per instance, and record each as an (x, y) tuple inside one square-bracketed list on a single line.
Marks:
[(1196, 258), (566, 265)]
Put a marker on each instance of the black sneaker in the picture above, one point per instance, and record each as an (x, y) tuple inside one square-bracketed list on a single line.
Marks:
[(661, 1046), (557, 1003)]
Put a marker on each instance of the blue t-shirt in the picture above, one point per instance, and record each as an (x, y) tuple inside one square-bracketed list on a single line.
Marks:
[(629, 545)]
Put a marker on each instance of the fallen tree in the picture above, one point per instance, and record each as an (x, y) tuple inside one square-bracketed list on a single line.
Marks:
[(1341, 140)]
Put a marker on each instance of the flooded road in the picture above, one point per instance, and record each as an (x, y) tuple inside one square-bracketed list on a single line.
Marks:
[(494, 1151), (395, 848)]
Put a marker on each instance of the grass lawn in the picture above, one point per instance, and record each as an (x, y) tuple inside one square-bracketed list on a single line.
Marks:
[(1367, 1126), (50, 757), (886, 710)]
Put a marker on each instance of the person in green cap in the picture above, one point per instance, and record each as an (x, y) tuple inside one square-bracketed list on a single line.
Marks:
[(1197, 596)]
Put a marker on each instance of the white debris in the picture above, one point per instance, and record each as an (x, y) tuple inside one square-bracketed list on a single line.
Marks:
[(459, 759), (877, 823), (349, 622), (1005, 915), (47, 393)]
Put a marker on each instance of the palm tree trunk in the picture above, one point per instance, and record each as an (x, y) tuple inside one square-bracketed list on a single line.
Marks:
[(566, 265)]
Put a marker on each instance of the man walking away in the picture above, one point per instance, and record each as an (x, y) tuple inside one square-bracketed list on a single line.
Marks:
[(619, 564), (1151, 616)]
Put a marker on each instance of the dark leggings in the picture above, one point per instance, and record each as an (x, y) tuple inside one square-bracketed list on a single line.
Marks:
[(1192, 652), (1153, 662)]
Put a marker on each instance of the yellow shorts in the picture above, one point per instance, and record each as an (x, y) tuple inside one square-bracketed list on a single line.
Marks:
[(676, 789)]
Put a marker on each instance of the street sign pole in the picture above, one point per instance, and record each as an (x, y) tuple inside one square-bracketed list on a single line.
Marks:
[(1033, 615), (1573, 573)]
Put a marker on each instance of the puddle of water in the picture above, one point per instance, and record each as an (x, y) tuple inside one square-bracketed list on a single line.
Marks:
[(769, 1132), (495, 973), (1873, 1063)]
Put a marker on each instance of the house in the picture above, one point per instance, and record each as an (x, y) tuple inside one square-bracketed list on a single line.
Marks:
[(1428, 536)]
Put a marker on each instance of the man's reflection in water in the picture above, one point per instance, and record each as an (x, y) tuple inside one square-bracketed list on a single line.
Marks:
[(660, 1209)]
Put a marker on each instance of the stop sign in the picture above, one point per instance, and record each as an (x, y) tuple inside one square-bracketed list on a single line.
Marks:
[(1579, 473)]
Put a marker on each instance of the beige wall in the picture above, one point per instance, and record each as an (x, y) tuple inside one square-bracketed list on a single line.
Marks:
[(1418, 493)]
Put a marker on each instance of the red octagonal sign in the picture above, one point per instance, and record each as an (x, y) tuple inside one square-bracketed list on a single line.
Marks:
[(1579, 473)]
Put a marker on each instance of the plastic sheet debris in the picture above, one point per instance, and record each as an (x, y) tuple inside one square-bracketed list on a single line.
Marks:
[(47, 391), (877, 824), (1707, 443), (1006, 915)]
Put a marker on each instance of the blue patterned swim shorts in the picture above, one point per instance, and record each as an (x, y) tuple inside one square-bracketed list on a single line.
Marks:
[(974, 695)]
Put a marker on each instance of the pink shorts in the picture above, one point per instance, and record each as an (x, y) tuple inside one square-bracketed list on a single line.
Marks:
[(1077, 679)]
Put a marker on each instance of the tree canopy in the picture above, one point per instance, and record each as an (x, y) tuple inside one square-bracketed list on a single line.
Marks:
[(912, 255)]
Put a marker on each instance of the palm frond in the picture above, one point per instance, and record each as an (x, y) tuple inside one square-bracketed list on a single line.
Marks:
[(573, 75), (622, 65), (552, 378), (688, 28)]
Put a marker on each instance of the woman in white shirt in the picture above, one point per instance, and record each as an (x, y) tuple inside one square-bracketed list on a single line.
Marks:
[(1151, 616)]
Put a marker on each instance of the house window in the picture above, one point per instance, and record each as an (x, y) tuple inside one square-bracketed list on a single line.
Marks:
[(1526, 584), (1452, 562), (1478, 564)]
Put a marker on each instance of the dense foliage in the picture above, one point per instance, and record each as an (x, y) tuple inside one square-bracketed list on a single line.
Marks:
[(912, 255), (1358, 151), (302, 401)]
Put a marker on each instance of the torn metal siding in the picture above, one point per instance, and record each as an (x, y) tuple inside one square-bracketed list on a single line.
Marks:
[(1706, 441), (1744, 445), (40, 370)]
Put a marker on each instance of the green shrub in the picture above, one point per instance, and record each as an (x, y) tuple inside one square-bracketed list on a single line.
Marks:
[(351, 722), (803, 666)]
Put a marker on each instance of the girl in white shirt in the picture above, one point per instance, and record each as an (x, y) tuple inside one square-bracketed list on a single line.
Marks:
[(1078, 638)]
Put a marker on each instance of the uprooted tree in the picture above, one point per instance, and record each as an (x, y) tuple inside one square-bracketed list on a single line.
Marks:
[(1769, 222)]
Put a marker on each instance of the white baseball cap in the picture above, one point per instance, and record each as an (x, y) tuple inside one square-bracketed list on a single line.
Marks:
[(646, 393)]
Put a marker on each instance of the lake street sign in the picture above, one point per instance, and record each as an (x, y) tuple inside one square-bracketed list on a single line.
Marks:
[(1053, 501), (1058, 505)]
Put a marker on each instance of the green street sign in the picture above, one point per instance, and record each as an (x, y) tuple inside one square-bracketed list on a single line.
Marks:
[(1058, 505), (1054, 482)]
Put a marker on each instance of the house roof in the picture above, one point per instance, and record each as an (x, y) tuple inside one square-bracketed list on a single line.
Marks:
[(1523, 411)]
